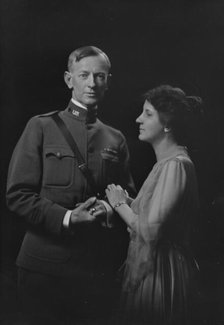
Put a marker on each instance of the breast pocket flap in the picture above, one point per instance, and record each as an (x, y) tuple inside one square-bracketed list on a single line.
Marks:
[(59, 152), (59, 166)]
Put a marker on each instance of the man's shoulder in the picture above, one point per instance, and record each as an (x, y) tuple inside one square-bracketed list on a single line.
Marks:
[(40, 119), (43, 117), (48, 114)]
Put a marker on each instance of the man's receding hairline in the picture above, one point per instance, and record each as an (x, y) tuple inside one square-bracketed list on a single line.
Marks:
[(74, 60), (87, 51)]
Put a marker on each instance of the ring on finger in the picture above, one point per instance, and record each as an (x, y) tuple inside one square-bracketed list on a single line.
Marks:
[(92, 210)]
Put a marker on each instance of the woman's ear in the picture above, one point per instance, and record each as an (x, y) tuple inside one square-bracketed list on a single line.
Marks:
[(68, 79)]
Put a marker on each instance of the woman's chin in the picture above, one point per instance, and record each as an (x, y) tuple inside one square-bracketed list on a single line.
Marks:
[(140, 137)]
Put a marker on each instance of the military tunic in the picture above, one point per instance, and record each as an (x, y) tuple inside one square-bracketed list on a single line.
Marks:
[(44, 181)]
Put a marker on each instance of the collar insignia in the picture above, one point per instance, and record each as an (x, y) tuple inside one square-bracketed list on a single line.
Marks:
[(74, 112)]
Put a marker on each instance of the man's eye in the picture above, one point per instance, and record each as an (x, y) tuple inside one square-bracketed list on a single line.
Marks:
[(83, 75), (101, 76)]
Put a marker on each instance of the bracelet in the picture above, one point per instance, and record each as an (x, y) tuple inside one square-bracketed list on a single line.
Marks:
[(118, 204)]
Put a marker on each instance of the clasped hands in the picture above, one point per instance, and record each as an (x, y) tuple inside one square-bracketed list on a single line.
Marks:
[(94, 210), (88, 211)]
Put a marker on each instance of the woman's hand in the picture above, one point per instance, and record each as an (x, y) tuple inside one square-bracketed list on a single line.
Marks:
[(119, 199), (116, 194)]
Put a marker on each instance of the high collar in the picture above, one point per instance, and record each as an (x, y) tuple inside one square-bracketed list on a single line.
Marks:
[(88, 115), (74, 101)]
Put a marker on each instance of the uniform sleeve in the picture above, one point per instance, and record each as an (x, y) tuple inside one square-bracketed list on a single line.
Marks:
[(164, 200), (24, 182)]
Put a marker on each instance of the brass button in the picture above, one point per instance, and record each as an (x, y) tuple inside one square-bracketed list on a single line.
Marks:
[(58, 154)]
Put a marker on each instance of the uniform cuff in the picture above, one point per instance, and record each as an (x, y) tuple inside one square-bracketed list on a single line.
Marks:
[(66, 219)]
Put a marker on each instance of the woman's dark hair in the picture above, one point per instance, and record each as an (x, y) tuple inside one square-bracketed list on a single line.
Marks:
[(177, 111)]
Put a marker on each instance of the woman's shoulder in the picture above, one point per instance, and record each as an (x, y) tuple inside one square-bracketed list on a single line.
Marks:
[(178, 161), (179, 158), (181, 161), (174, 165)]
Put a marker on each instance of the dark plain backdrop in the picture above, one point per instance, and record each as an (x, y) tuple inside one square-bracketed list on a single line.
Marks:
[(149, 43)]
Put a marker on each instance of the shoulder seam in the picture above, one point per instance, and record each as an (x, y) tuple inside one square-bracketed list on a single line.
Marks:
[(48, 114)]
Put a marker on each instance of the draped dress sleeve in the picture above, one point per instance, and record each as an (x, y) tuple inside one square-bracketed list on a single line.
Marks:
[(162, 200)]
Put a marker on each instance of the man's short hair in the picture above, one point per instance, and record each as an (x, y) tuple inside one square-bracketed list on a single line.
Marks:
[(84, 52)]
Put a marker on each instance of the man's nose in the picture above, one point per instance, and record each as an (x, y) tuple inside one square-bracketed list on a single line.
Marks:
[(91, 81)]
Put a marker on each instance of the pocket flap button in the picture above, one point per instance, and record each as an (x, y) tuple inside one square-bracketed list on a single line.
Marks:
[(58, 154)]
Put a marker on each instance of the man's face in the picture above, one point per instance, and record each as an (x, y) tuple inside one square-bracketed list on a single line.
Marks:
[(88, 79)]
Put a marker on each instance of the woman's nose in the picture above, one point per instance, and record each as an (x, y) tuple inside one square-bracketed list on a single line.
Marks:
[(138, 119)]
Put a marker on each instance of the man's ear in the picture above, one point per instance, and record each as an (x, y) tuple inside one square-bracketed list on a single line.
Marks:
[(68, 79), (109, 80)]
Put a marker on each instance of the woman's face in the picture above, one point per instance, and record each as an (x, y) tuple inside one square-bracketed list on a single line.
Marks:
[(150, 128)]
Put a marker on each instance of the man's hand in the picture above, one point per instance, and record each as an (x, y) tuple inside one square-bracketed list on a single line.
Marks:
[(82, 213), (99, 211)]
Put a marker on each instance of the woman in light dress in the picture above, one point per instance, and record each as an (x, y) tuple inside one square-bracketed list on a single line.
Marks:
[(159, 268)]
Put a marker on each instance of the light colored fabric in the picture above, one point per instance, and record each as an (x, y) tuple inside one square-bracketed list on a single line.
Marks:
[(158, 264), (109, 217), (78, 104), (66, 219)]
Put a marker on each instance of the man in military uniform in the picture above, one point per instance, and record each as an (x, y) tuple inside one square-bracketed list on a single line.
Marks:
[(71, 249)]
